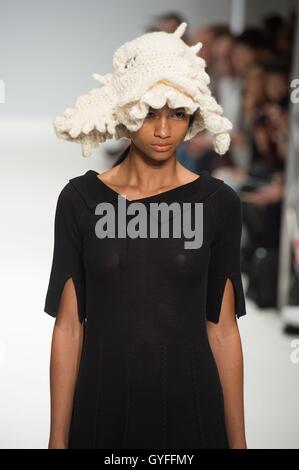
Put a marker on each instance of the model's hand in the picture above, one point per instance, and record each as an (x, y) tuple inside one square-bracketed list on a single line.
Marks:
[(241, 444), (57, 445)]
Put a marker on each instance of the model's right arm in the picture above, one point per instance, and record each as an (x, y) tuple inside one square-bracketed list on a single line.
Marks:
[(66, 350), (65, 300)]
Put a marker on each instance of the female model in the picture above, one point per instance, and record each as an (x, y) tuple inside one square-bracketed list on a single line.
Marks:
[(146, 351)]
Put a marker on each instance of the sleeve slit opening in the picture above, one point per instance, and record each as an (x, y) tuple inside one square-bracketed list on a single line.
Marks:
[(54, 296), (220, 285)]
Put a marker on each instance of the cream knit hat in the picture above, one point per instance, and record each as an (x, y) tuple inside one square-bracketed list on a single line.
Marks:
[(153, 69)]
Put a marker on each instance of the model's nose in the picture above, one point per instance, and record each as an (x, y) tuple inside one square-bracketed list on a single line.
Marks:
[(162, 129)]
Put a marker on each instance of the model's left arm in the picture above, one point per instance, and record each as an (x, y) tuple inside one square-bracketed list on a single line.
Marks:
[(226, 303)]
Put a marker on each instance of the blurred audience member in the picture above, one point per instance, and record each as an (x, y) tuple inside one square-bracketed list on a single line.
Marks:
[(169, 22), (206, 35)]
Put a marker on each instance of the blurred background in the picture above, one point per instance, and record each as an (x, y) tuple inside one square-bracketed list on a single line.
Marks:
[(48, 52)]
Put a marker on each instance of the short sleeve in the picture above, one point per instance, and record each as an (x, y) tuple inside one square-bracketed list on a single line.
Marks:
[(67, 254), (225, 256)]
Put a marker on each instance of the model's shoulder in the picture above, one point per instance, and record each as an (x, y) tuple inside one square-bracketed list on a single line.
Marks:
[(74, 192), (225, 202), (205, 186), (81, 180), (84, 187), (224, 193)]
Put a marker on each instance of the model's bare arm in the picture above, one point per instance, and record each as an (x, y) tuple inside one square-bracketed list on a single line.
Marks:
[(64, 365), (225, 341)]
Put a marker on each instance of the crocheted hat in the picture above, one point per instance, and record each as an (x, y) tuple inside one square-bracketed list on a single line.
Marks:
[(149, 71)]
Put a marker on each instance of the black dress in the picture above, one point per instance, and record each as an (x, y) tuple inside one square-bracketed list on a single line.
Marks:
[(147, 376)]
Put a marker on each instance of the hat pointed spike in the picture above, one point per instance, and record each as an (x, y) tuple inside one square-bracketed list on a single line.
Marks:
[(196, 47), (99, 78), (180, 29)]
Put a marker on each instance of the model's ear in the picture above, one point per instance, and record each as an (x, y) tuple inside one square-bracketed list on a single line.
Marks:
[(92, 120)]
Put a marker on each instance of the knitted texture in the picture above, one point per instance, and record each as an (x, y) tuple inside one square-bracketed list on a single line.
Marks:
[(151, 70)]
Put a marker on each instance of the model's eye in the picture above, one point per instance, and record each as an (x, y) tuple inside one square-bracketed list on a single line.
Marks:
[(181, 114), (149, 114)]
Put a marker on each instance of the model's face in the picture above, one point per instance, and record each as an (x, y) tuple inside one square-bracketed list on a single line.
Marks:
[(161, 126)]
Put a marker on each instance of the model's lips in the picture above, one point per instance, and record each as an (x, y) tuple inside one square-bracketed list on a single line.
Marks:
[(161, 148)]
